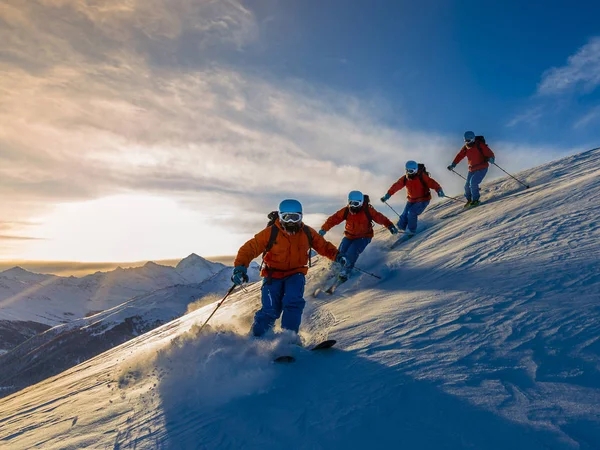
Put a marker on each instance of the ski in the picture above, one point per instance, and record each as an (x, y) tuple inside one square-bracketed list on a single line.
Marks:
[(324, 345), (321, 346), (334, 286)]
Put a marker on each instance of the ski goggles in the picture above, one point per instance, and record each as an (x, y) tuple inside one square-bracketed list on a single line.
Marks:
[(411, 171), (290, 217), (469, 141), (355, 203)]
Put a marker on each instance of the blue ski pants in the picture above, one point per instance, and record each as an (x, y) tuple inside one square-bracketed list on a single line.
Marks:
[(410, 214), (474, 179), (280, 295), (352, 248)]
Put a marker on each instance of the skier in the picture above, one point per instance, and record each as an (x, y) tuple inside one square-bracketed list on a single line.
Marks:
[(479, 155), (418, 183), (285, 246), (359, 215)]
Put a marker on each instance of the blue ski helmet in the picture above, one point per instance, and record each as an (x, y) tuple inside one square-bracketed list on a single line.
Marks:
[(411, 167), (356, 200), (469, 137), (290, 215), (290, 206), (356, 197)]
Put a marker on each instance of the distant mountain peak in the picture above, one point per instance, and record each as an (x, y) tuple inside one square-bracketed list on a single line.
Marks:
[(193, 260), (19, 273), (16, 271)]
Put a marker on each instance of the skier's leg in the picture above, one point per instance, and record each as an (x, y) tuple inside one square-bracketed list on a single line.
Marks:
[(344, 245), (476, 180), (293, 302), (468, 194), (358, 246), (414, 212), (404, 217), (272, 293)]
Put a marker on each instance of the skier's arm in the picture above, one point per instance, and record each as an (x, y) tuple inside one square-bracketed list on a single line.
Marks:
[(431, 183), (334, 220), (253, 248), (379, 218), (322, 246), (487, 152), (461, 155), (397, 185)]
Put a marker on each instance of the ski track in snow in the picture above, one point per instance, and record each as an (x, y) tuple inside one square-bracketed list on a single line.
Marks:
[(483, 333)]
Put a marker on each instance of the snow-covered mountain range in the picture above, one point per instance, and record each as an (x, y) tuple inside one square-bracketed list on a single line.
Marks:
[(484, 333), (52, 300), (41, 350)]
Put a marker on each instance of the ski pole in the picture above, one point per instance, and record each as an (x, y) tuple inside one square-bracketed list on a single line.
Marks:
[(459, 174), (455, 199), (367, 273), (218, 305), (392, 208), (510, 175)]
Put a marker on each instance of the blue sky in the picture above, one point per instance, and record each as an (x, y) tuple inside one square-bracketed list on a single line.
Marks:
[(443, 66), (138, 130)]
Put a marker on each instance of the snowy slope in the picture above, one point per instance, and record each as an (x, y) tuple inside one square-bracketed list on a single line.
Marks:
[(484, 333), (66, 345), (35, 301)]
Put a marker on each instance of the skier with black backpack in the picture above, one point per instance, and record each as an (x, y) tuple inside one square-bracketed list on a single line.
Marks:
[(479, 155), (285, 244), (359, 216), (418, 184)]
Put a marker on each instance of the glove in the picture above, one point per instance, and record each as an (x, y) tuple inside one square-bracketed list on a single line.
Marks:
[(239, 275), (385, 198), (492, 160), (440, 193), (393, 229), (451, 167), (340, 258), (322, 232)]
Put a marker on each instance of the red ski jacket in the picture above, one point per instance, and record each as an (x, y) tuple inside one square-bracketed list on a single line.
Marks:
[(358, 225), (477, 156), (417, 187)]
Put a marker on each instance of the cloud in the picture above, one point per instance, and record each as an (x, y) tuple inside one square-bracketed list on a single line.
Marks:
[(131, 98), (530, 117), (593, 115), (581, 72)]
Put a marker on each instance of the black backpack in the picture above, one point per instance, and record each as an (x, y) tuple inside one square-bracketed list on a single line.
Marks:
[(481, 140), (423, 170), (366, 204), (273, 216)]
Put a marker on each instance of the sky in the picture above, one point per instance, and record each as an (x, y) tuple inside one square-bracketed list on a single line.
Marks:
[(150, 129)]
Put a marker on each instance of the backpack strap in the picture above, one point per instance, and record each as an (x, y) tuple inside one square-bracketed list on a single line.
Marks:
[(272, 237), (423, 181), (485, 158), (368, 213)]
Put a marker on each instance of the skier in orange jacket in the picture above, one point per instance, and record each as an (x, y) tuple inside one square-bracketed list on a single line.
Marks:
[(359, 216), (285, 245)]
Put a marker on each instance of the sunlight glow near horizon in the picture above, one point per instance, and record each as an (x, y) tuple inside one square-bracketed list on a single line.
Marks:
[(126, 228)]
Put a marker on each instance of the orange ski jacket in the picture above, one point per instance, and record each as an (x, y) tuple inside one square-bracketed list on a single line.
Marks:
[(417, 190), (477, 156), (289, 254), (357, 225)]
